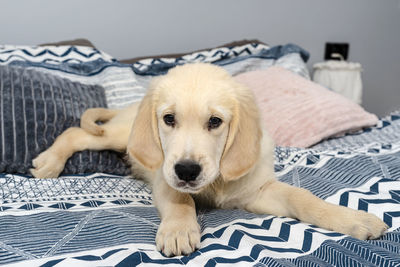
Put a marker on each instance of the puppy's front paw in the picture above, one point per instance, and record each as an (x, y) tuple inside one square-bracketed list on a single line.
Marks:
[(47, 165), (362, 225), (178, 237)]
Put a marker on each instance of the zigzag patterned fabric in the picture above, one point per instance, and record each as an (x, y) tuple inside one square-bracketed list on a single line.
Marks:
[(51, 54), (109, 220)]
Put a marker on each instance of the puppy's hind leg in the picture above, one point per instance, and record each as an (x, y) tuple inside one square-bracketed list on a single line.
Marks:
[(50, 163), (281, 199)]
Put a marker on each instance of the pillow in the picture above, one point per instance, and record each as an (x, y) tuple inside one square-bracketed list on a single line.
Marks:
[(35, 107), (298, 112), (231, 44)]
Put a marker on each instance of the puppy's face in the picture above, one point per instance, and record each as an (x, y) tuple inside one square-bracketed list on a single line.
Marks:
[(195, 124)]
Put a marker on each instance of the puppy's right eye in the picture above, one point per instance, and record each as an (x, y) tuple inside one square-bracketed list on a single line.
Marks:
[(169, 120)]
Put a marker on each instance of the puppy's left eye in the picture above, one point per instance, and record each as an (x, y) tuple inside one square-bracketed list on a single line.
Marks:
[(169, 119), (214, 122)]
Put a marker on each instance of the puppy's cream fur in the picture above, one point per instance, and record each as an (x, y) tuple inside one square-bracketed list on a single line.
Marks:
[(236, 158)]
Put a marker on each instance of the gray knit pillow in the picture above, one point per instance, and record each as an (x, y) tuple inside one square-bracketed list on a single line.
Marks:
[(36, 107)]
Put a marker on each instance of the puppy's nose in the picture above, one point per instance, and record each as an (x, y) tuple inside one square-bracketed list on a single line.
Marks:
[(187, 170)]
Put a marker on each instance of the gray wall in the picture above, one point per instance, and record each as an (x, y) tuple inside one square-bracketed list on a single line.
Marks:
[(135, 28)]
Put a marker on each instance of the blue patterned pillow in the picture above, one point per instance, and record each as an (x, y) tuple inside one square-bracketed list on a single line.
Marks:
[(36, 107)]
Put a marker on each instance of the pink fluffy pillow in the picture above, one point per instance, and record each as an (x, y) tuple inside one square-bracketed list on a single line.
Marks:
[(298, 112)]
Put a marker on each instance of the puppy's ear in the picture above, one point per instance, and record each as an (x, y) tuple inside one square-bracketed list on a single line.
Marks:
[(242, 147), (144, 142)]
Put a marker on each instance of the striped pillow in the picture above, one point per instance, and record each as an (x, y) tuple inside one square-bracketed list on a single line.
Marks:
[(35, 107)]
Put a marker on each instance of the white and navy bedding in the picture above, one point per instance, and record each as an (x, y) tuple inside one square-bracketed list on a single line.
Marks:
[(103, 219)]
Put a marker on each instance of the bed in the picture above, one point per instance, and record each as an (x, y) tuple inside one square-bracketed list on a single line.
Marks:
[(95, 214)]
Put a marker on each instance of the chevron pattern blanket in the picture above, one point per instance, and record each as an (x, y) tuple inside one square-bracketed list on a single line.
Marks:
[(109, 220)]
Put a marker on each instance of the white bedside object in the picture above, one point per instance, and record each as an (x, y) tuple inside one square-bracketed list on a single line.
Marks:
[(340, 76)]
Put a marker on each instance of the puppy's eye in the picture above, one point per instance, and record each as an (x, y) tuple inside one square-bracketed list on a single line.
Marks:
[(214, 122), (169, 120)]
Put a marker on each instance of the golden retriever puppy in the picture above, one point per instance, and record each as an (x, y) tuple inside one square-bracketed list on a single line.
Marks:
[(196, 138)]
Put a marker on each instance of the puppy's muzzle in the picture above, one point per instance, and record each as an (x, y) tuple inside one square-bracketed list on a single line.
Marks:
[(187, 170)]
